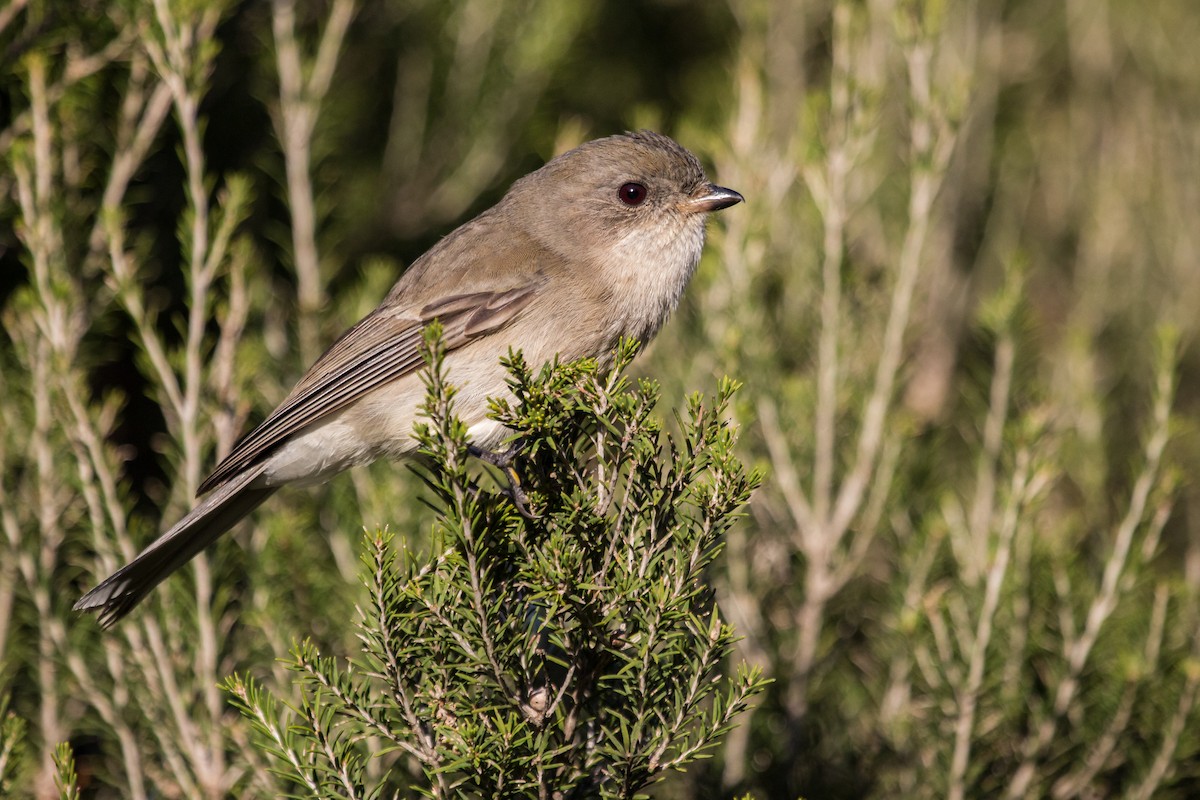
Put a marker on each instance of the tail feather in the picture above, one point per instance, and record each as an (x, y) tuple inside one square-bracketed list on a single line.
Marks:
[(219, 511)]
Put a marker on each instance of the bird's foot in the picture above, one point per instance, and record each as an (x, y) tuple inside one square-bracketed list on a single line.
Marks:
[(503, 461)]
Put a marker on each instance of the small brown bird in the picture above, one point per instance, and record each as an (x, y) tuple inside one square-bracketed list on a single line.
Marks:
[(596, 245)]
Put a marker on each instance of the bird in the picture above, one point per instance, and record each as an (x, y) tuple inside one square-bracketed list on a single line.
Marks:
[(596, 245)]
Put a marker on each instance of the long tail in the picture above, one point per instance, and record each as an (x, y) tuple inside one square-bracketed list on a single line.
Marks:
[(219, 511)]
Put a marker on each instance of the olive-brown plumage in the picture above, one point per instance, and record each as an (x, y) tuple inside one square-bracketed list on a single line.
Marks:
[(597, 244)]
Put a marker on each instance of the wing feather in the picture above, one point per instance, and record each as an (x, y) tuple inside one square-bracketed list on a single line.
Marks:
[(380, 348)]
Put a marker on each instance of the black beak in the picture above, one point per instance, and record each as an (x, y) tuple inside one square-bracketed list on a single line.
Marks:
[(713, 198)]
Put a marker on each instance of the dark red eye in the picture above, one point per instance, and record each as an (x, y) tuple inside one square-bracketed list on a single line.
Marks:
[(632, 194)]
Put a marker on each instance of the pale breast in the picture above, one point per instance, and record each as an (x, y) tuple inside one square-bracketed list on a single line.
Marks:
[(649, 272)]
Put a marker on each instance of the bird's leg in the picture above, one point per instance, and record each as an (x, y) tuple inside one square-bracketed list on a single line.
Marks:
[(503, 461)]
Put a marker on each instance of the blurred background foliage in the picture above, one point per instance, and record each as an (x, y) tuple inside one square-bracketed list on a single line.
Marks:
[(962, 296)]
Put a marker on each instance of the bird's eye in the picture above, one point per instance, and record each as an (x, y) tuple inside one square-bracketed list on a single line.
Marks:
[(632, 194)]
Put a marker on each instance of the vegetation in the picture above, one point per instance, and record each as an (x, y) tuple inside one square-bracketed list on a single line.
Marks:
[(961, 299), (571, 653)]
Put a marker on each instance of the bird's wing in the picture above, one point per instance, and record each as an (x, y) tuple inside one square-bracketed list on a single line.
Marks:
[(380, 348)]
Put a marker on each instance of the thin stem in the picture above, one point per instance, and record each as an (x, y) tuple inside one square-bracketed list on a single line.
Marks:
[(299, 105)]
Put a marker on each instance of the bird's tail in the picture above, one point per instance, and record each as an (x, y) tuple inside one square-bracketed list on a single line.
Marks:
[(219, 511)]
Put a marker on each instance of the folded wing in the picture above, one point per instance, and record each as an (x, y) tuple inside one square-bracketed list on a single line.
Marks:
[(380, 348)]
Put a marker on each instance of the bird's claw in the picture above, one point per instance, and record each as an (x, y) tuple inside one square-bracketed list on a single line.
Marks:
[(504, 462)]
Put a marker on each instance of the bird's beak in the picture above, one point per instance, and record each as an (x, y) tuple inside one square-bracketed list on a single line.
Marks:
[(713, 198)]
